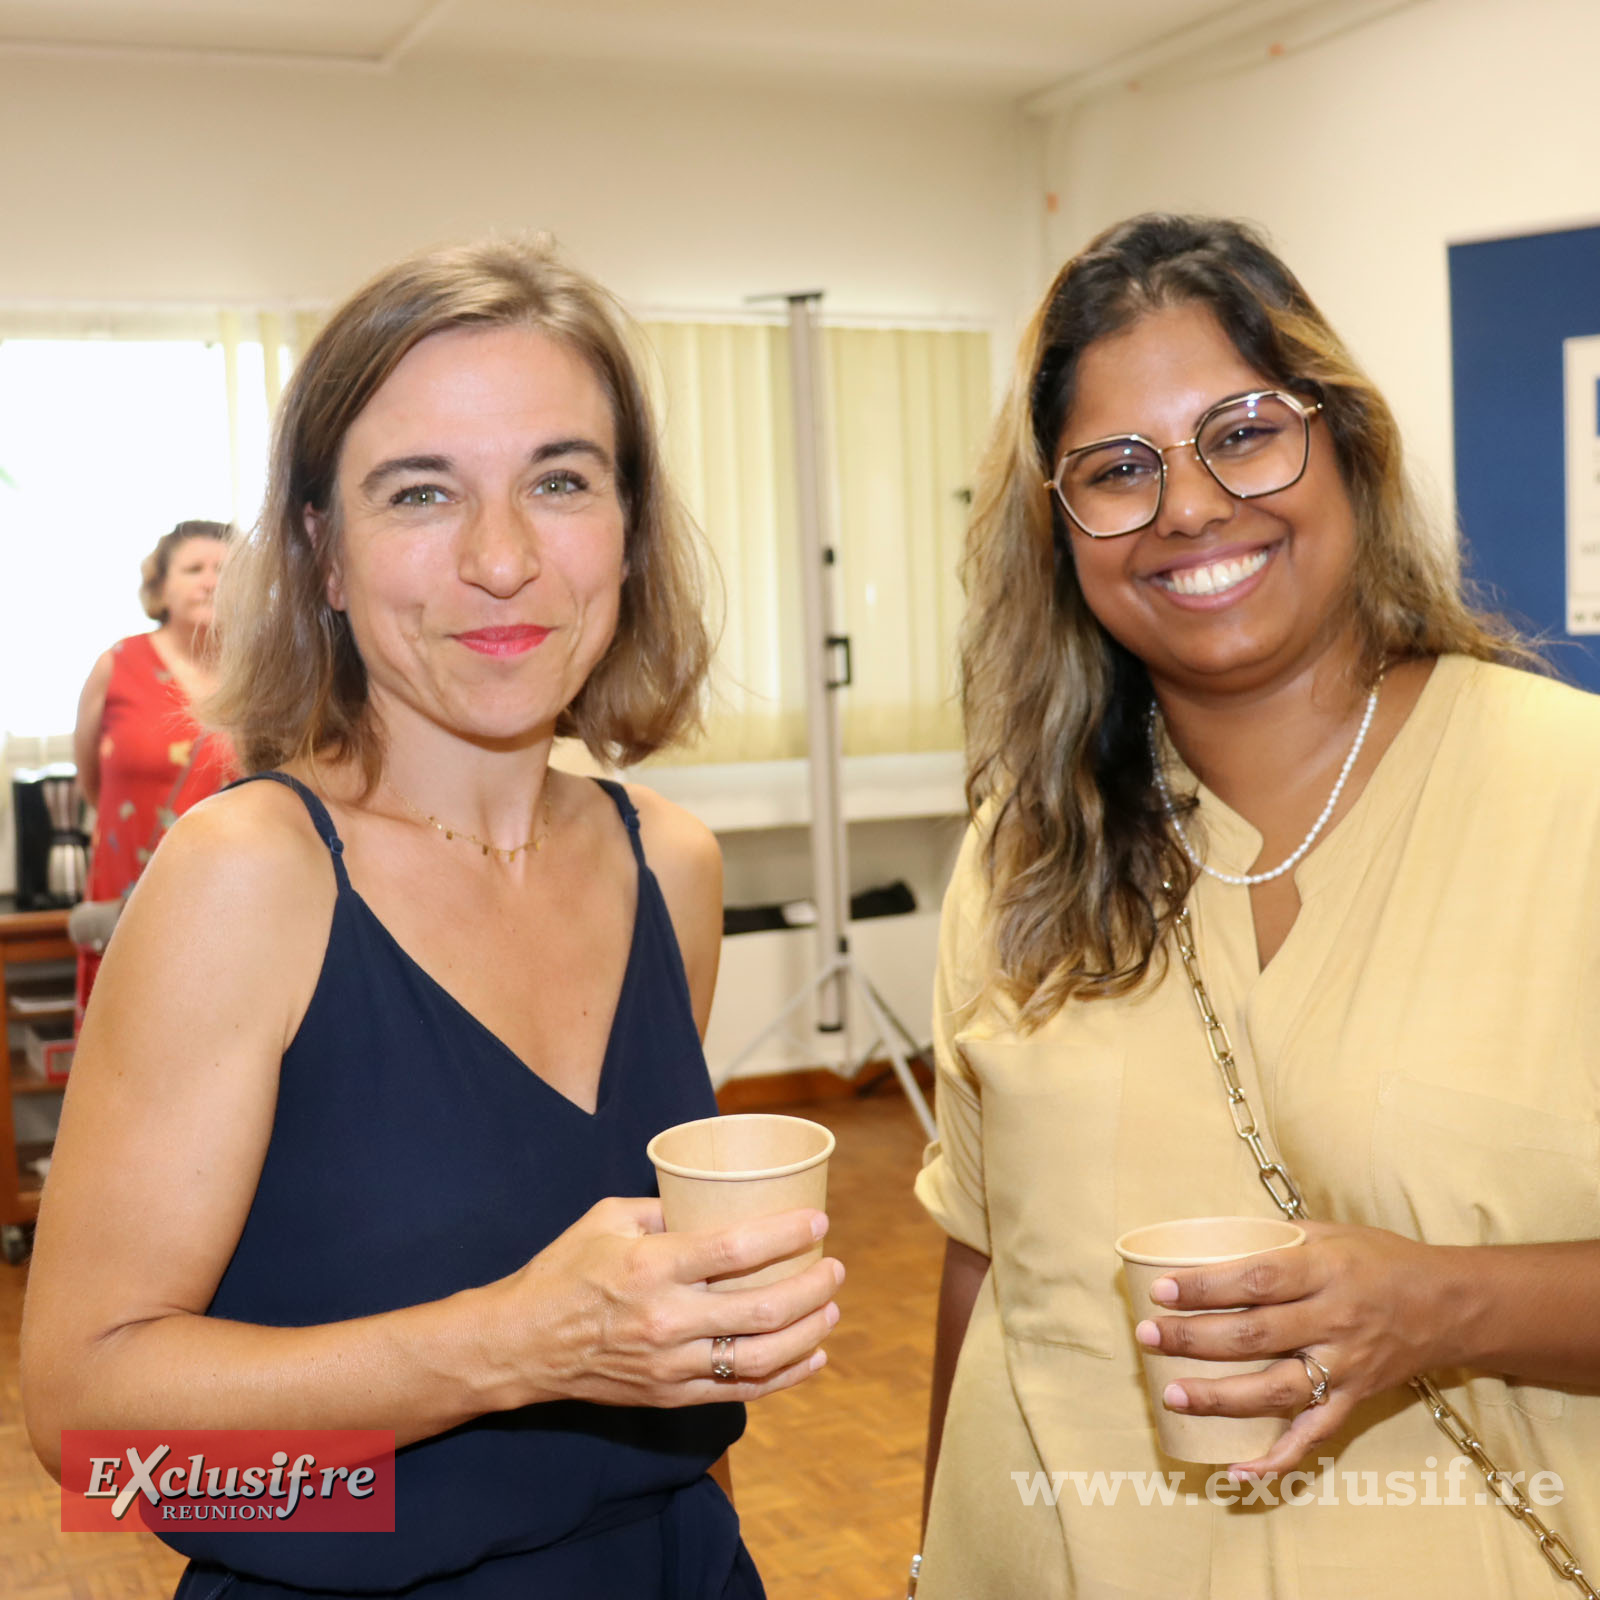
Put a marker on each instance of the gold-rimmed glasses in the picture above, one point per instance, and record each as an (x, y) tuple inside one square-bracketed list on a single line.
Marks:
[(1251, 444)]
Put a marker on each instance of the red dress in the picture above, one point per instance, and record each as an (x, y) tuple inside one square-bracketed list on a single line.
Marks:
[(146, 734)]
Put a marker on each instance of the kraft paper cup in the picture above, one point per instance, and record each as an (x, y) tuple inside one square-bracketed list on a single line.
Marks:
[(1151, 1253), (721, 1170)]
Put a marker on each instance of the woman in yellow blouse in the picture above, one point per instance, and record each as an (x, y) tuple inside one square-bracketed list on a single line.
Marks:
[(1236, 674)]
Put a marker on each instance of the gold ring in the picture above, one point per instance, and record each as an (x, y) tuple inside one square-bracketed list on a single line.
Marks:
[(722, 1359)]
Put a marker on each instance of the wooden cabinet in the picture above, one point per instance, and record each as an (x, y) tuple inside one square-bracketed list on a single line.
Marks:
[(27, 940)]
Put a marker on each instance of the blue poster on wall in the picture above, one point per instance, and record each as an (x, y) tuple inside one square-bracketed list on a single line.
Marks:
[(1525, 334)]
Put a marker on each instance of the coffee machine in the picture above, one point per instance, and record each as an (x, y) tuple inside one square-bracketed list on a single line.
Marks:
[(52, 847)]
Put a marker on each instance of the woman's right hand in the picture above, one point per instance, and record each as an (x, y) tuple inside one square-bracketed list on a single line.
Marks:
[(618, 1311)]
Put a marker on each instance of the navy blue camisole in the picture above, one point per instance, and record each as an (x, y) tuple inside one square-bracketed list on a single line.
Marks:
[(413, 1155)]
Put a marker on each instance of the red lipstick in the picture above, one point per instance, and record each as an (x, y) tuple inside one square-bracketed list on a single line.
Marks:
[(512, 641)]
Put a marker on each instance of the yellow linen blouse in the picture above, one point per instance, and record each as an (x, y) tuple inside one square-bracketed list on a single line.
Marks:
[(1424, 1051)]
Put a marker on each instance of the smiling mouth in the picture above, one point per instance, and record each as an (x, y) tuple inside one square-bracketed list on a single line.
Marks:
[(1217, 578), (509, 641)]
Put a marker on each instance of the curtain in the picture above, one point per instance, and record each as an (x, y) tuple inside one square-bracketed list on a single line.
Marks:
[(906, 410), (909, 410), (724, 403), (259, 351)]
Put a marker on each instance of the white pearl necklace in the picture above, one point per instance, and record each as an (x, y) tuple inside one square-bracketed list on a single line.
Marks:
[(1249, 878)]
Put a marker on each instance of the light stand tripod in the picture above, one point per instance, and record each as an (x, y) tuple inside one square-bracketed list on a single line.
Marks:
[(827, 672)]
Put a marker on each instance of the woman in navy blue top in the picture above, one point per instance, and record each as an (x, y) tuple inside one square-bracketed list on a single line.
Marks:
[(356, 1131)]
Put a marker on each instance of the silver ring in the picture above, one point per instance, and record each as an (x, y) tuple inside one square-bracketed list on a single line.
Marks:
[(722, 1359), (1319, 1384)]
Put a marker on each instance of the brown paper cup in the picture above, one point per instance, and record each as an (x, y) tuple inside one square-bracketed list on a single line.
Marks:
[(728, 1169), (1151, 1253)]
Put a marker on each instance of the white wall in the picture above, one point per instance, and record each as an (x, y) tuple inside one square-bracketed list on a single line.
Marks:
[(181, 182), (134, 182), (1364, 157)]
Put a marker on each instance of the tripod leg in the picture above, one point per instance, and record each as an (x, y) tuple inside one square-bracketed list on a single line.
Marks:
[(889, 1026), (857, 1062), (813, 983), (884, 1007)]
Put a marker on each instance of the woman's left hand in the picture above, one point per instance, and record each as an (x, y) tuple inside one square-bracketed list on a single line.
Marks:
[(1367, 1305)]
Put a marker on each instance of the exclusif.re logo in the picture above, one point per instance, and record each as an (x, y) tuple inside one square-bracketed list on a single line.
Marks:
[(255, 1480)]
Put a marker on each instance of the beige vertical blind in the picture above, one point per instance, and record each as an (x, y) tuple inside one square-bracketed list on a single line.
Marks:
[(906, 414), (909, 413), (907, 410), (725, 411), (281, 338)]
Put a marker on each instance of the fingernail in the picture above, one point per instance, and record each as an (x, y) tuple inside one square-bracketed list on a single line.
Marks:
[(838, 1273), (819, 1225), (1174, 1398), (831, 1312), (818, 1361), (1147, 1333), (1165, 1290)]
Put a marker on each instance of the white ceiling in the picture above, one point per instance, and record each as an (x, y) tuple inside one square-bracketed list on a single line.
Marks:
[(1001, 47)]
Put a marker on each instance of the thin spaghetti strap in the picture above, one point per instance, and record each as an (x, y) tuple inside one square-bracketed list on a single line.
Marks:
[(630, 816), (320, 819)]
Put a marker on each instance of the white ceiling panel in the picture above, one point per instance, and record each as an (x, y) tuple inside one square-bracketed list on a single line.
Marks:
[(1007, 47), (294, 27)]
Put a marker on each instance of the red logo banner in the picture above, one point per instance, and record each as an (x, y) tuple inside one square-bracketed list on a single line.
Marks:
[(237, 1480)]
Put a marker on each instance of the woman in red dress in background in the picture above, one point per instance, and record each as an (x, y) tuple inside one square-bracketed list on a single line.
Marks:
[(139, 763)]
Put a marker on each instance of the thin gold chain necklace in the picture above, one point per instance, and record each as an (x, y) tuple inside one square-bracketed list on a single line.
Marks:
[(535, 844)]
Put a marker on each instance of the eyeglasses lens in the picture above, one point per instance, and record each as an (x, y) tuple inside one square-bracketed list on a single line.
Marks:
[(1113, 488), (1251, 447), (1254, 447)]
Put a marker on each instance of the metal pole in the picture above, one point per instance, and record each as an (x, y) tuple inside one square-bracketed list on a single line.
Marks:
[(829, 855), (827, 672)]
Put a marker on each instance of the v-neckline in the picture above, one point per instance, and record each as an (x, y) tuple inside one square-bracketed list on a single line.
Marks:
[(602, 1097), (1372, 807), (166, 676)]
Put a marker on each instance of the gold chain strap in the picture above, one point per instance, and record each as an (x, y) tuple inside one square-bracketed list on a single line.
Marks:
[(1277, 1182)]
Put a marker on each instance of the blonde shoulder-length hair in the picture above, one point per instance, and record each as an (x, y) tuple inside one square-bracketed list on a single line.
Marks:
[(1085, 870), (292, 682), (154, 568)]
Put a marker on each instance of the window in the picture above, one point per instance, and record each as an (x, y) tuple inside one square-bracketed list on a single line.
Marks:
[(105, 444)]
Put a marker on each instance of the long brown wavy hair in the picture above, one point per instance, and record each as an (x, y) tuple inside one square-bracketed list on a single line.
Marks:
[(1086, 871), (292, 683)]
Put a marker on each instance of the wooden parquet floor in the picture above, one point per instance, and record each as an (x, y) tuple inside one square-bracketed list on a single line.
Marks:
[(37, 1560), (827, 1478)]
